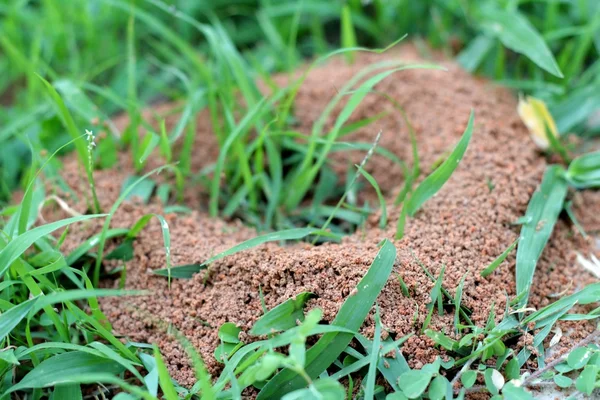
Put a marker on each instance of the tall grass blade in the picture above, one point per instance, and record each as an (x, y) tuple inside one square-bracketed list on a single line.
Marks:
[(434, 182), (516, 33), (541, 215)]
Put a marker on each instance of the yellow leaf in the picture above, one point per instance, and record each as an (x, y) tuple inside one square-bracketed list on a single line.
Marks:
[(537, 118)]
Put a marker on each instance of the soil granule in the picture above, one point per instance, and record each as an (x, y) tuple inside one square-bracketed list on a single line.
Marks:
[(464, 227)]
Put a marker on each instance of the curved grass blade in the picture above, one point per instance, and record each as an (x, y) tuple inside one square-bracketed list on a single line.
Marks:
[(350, 316), (18, 245), (59, 368), (516, 33), (373, 182), (584, 171), (541, 215), (111, 213), (434, 182), (496, 263), (25, 206), (92, 242), (289, 234), (12, 317)]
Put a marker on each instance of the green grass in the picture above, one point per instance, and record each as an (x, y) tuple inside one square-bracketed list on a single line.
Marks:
[(70, 66)]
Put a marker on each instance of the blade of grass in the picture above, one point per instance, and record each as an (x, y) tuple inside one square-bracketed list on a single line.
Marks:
[(541, 215), (516, 33), (16, 247), (109, 216), (496, 263), (289, 234), (434, 182), (373, 182), (82, 150)]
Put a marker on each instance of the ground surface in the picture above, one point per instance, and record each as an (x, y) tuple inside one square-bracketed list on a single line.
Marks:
[(464, 227)]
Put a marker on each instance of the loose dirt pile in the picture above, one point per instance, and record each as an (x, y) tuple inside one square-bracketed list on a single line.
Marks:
[(464, 227)]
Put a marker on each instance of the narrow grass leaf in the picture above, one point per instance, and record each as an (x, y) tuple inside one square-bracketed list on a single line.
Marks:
[(289, 234), (11, 318), (59, 369), (496, 263), (164, 378), (434, 182), (348, 38), (350, 316), (373, 182), (369, 393)]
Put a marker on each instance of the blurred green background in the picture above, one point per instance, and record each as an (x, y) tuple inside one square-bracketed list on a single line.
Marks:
[(83, 48)]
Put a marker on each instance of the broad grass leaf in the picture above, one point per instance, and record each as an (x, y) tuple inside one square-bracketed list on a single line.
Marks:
[(584, 171), (141, 189), (283, 316), (71, 391), (16, 247), (350, 316), (92, 242), (61, 367), (541, 215), (12, 317), (289, 234), (382, 205), (434, 182), (516, 33)]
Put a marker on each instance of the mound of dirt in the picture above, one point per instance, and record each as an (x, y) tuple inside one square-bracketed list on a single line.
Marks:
[(464, 227)]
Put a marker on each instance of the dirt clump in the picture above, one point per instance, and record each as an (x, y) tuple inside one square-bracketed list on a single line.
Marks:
[(463, 228)]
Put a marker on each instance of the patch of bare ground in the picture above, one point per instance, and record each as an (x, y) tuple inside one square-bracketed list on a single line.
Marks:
[(464, 227)]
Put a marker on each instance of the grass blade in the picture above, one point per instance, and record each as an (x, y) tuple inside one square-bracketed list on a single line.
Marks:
[(541, 215), (18, 245), (164, 378), (496, 263), (516, 33), (434, 182), (289, 234), (59, 368), (350, 316), (373, 182)]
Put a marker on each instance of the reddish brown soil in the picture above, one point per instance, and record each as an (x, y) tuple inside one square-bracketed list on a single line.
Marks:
[(464, 227)]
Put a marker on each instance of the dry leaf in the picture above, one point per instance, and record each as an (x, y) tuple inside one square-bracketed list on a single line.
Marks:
[(536, 117)]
